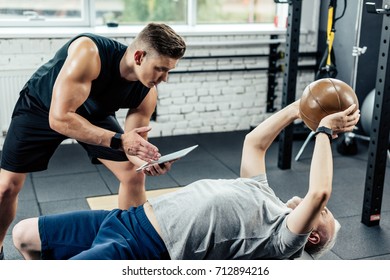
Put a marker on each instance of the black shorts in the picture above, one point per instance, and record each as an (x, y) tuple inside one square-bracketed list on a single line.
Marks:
[(30, 142)]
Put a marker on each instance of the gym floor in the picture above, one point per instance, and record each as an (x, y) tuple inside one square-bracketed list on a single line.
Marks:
[(71, 181)]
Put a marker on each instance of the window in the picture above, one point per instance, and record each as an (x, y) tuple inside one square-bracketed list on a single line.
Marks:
[(235, 11), (127, 12), (43, 13), (134, 12)]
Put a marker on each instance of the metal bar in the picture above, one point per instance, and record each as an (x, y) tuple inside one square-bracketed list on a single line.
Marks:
[(219, 70), (371, 8), (279, 55), (224, 56), (233, 43), (277, 69), (290, 79), (357, 43), (379, 134), (271, 84)]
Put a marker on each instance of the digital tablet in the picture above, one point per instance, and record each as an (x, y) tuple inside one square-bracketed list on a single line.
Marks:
[(168, 157)]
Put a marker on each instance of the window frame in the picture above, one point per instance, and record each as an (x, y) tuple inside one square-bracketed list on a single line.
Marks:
[(89, 20), (85, 21)]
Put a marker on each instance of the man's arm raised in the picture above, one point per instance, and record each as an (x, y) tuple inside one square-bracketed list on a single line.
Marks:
[(258, 140), (305, 215)]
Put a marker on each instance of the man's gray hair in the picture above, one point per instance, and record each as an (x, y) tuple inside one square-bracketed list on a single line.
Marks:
[(328, 245)]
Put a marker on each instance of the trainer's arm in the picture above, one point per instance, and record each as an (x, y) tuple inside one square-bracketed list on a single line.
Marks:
[(305, 215), (72, 88), (141, 117), (258, 140)]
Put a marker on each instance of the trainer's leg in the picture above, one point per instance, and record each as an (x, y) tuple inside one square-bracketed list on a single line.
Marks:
[(25, 235), (10, 185), (132, 184)]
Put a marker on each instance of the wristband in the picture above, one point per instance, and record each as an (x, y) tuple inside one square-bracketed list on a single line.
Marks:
[(327, 131), (116, 141)]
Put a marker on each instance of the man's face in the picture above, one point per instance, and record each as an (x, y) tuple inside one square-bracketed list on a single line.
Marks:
[(153, 69)]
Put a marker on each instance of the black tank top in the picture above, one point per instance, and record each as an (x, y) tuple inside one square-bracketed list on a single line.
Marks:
[(109, 91)]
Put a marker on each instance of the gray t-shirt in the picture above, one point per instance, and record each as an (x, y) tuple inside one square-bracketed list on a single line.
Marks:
[(226, 219)]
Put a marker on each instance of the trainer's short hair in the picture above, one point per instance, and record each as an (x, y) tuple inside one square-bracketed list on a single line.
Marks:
[(161, 38)]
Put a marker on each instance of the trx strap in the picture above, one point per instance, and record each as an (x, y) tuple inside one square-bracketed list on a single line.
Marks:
[(327, 67)]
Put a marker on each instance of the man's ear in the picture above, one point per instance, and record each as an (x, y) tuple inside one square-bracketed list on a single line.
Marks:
[(138, 56), (314, 237)]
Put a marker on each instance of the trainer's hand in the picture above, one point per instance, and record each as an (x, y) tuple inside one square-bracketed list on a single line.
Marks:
[(135, 145), (342, 121)]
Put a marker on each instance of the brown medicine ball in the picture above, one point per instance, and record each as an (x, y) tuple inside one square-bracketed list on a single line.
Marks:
[(324, 97)]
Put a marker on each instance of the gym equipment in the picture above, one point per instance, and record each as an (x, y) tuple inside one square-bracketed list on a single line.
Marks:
[(378, 145), (366, 112), (327, 67), (290, 77), (380, 127), (324, 97)]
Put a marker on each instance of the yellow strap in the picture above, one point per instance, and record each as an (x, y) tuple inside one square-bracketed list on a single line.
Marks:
[(330, 35)]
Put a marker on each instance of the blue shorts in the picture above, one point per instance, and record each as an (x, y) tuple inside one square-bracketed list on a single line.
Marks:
[(100, 235)]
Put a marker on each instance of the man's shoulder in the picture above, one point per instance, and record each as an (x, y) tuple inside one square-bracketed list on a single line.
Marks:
[(99, 39), (93, 35)]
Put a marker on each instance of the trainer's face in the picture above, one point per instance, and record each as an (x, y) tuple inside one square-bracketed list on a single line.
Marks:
[(153, 68)]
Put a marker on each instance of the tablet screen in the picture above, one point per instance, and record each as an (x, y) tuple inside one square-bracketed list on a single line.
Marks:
[(169, 157)]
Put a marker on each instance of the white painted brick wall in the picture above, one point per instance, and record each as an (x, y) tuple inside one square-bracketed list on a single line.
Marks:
[(192, 102)]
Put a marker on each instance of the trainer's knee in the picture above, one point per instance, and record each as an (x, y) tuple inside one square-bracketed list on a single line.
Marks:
[(10, 184)]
